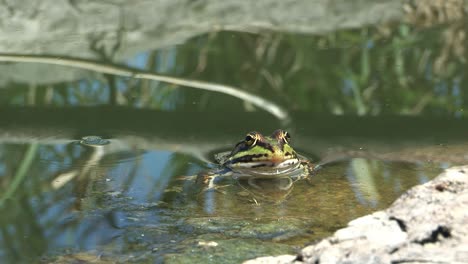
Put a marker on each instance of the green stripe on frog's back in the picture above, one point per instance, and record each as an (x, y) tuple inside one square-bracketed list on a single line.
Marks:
[(263, 154), (258, 152)]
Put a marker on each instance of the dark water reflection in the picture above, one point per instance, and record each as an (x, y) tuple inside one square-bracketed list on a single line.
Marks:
[(118, 199)]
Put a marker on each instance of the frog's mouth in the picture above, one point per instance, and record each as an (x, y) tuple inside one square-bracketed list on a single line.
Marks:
[(269, 168)]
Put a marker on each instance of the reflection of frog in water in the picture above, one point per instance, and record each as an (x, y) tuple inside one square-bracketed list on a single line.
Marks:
[(266, 190), (259, 157)]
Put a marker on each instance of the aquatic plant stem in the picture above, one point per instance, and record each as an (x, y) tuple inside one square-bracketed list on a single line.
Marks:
[(21, 172)]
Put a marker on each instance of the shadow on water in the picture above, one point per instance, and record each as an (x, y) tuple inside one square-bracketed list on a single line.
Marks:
[(381, 108)]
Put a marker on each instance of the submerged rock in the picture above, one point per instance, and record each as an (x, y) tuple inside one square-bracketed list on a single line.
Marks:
[(427, 224), (212, 248)]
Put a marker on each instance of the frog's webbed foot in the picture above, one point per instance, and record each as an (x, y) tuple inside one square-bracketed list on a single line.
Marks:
[(209, 179), (210, 184)]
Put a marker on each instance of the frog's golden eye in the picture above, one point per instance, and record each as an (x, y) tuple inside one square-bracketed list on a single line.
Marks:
[(286, 136), (250, 140)]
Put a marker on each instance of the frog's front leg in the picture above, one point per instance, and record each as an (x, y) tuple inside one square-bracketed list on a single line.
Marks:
[(208, 178), (308, 168)]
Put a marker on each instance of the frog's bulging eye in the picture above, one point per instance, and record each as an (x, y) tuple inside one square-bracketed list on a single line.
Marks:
[(250, 140), (286, 136)]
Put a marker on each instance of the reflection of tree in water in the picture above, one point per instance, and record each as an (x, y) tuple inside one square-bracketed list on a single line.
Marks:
[(451, 13), (400, 69), (50, 208), (36, 216), (427, 13), (31, 212), (368, 71)]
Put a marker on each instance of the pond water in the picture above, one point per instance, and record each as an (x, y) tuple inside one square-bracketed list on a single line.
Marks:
[(381, 108), (130, 202)]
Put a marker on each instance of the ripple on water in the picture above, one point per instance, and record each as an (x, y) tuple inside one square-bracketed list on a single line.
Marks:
[(89, 151)]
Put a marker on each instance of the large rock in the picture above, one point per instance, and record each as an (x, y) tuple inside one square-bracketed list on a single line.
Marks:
[(427, 224), (87, 28), (115, 31)]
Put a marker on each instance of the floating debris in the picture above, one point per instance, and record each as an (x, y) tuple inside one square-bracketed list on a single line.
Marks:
[(94, 141)]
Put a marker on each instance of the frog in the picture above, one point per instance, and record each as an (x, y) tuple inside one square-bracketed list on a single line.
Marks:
[(259, 157)]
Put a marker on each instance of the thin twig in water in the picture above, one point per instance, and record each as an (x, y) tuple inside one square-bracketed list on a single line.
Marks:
[(260, 102)]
